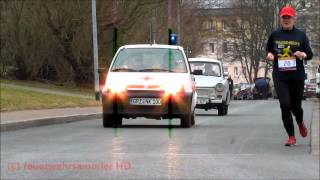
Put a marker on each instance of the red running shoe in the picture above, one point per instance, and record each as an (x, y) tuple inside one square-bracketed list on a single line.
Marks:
[(291, 141), (303, 130)]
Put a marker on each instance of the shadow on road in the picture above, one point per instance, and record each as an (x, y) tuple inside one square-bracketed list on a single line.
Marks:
[(148, 126), (202, 114)]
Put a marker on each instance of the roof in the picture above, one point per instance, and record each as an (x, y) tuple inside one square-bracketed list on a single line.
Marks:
[(203, 60), (151, 46)]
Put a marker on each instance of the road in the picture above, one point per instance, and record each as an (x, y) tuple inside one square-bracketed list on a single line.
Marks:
[(246, 144)]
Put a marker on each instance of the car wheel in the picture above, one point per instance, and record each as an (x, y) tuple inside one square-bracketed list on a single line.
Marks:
[(110, 120), (193, 122), (186, 120), (118, 120), (107, 120), (226, 109), (221, 110)]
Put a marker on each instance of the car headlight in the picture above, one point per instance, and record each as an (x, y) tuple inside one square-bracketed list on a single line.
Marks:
[(114, 88), (219, 87), (173, 88)]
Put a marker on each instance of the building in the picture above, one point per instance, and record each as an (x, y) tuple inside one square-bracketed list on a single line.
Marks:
[(217, 44), (308, 19)]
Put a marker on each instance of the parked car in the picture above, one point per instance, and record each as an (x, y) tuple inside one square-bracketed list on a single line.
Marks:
[(310, 87), (318, 82), (236, 90), (244, 91), (211, 84), (152, 81)]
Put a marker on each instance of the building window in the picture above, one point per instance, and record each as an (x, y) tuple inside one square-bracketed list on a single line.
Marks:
[(209, 25), (211, 47), (205, 25), (236, 71), (225, 25), (225, 47), (212, 25)]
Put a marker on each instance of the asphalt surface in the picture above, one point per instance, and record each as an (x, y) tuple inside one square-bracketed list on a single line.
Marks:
[(246, 144)]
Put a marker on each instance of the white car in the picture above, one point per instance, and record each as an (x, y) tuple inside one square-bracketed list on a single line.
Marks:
[(211, 85), (152, 81)]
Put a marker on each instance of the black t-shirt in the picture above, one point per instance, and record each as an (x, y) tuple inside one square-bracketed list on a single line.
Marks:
[(283, 44)]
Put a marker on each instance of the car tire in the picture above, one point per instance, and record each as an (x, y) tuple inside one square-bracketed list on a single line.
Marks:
[(226, 109), (222, 109), (118, 121), (187, 120), (193, 121), (111, 120)]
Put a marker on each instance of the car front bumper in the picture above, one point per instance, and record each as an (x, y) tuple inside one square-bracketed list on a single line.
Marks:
[(172, 106), (210, 104)]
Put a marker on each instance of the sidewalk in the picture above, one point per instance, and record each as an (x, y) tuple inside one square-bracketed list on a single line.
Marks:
[(315, 125), (30, 118)]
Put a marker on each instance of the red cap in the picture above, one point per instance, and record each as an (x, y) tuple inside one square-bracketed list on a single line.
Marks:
[(287, 11)]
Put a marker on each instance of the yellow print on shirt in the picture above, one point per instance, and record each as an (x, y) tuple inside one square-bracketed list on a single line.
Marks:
[(286, 52), (288, 43)]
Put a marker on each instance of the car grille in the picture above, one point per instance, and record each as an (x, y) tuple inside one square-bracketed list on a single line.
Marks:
[(205, 92), (145, 93)]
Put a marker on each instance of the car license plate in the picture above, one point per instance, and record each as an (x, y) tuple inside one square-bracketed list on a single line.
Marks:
[(202, 101), (145, 101)]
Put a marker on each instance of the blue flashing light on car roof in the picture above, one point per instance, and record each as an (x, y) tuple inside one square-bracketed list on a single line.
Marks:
[(173, 39)]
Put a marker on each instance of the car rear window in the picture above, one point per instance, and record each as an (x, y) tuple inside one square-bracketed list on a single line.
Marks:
[(149, 60)]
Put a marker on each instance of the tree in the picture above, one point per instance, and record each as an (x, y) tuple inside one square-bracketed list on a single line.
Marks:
[(23, 38), (250, 32), (68, 23), (191, 23)]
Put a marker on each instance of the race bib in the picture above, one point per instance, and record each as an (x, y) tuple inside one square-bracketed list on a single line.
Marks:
[(287, 64)]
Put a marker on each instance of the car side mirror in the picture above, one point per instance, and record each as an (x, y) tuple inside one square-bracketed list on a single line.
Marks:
[(197, 72)]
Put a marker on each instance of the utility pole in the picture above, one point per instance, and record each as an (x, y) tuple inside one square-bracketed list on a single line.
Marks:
[(95, 50), (169, 21), (153, 26)]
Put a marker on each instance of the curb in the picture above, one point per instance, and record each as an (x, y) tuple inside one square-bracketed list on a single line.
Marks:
[(10, 126), (315, 128)]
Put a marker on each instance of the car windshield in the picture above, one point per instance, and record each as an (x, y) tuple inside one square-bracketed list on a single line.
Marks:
[(149, 60), (208, 68)]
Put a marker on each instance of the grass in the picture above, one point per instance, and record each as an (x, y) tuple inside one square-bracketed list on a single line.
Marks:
[(13, 99), (51, 86)]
